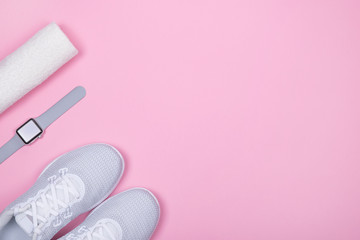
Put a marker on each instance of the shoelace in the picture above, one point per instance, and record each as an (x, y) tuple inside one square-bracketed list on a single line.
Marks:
[(98, 232), (50, 202)]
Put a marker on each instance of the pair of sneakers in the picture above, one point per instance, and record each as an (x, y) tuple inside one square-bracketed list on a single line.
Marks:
[(73, 184)]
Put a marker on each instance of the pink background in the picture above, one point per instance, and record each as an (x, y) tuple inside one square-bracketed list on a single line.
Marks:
[(242, 117)]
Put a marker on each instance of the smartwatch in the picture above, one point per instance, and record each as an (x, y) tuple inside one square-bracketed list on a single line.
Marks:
[(33, 128)]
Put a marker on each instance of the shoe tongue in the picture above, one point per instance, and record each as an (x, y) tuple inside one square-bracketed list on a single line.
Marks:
[(113, 230), (24, 222)]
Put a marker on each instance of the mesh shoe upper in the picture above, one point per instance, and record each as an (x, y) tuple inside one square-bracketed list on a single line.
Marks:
[(97, 169), (136, 211)]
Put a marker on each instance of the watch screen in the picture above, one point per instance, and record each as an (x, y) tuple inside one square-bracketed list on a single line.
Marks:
[(29, 131)]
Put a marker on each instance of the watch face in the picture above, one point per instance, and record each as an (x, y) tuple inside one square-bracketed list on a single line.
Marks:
[(29, 131)]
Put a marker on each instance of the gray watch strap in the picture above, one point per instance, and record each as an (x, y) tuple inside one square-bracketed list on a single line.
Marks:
[(59, 108), (9, 148), (44, 120)]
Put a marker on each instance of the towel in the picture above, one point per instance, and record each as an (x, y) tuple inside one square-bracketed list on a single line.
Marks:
[(32, 63)]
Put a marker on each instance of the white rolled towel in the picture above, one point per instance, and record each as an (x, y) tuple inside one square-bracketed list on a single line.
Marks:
[(32, 63)]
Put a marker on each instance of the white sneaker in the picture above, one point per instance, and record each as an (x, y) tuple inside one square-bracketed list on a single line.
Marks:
[(130, 215), (72, 184)]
